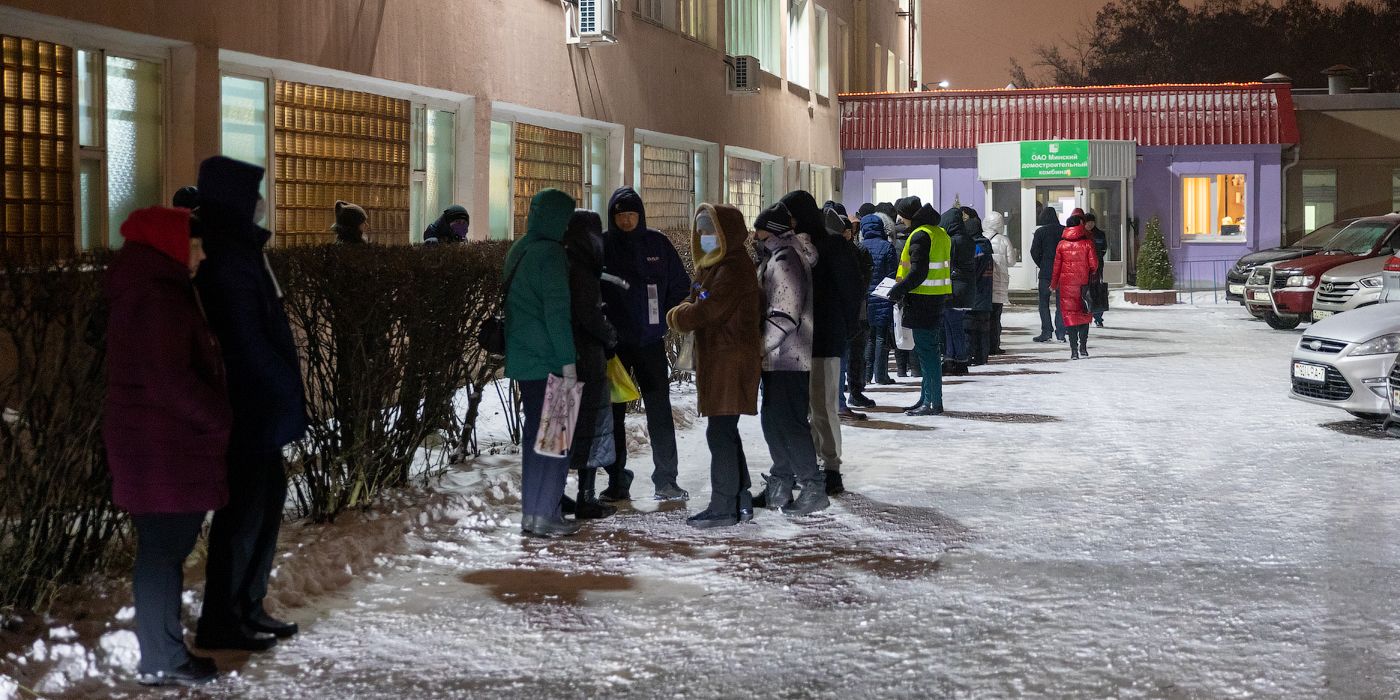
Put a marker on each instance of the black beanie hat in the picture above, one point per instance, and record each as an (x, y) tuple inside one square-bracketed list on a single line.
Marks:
[(908, 207), (231, 183), (865, 210), (185, 198), (887, 209), (775, 219)]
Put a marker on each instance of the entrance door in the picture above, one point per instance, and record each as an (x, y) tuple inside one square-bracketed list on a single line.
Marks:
[(1106, 203), (1061, 195)]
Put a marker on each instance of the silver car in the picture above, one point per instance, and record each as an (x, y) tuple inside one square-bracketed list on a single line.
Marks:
[(1347, 287), (1343, 361)]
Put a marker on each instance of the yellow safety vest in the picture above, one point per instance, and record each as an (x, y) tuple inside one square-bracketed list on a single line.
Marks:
[(940, 279)]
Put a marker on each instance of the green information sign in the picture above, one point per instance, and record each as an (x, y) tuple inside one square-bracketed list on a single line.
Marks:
[(1052, 159)]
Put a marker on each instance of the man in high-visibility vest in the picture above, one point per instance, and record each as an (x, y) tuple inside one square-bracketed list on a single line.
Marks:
[(924, 286)]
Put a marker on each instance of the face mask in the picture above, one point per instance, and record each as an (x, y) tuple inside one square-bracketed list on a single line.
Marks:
[(460, 228), (709, 243), (259, 210)]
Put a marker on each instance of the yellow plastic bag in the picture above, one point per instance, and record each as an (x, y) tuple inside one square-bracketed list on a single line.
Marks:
[(620, 382)]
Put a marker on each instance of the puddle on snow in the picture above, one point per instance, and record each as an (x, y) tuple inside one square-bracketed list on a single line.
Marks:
[(526, 586), (1358, 428), (1002, 417)]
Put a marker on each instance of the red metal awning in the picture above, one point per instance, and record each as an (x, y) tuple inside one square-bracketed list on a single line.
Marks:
[(1152, 115)]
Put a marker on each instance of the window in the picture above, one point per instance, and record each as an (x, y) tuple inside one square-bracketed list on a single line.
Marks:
[(701, 172), (333, 144), (819, 183), (823, 60), (1319, 198), (891, 72), (1213, 205), (36, 220), (751, 29), (844, 56), (545, 158), (745, 187), (433, 164), (663, 12), (596, 188), (903, 77), (501, 182), (799, 59), (668, 183), (243, 121), (698, 20), (877, 67), (893, 190)]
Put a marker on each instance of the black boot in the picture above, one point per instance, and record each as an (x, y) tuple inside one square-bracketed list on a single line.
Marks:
[(1073, 343), (548, 526), (833, 482), (812, 499), (619, 487), (777, 492), (260, 621), (197, 671), (926, 410), (1084, 340), (566, 505), (590, 509), (901, 363), (916, 405), (232, 636)]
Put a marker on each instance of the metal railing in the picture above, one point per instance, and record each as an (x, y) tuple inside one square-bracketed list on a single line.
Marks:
[(1203, 277)]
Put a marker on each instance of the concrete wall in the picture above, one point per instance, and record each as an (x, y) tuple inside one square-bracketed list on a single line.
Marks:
[(1362, 145), (1157, 191), (954, 175)]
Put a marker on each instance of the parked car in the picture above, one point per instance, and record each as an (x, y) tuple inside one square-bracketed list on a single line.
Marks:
[(1392, 421), (1282, 292), (1390, 280), (1319, 239), (1347, 287), (1344, 361)]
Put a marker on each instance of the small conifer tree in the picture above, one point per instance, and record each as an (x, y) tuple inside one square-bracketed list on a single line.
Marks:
[(1154, 268)]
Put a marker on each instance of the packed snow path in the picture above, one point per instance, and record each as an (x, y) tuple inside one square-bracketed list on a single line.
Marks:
[(1157, 521)]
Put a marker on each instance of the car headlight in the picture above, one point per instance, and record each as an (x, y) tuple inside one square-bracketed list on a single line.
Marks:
[(1300, 280), (1379, 346), (1372, 282)]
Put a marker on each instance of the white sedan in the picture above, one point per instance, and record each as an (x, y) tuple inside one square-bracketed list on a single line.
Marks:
[(1343, 361)]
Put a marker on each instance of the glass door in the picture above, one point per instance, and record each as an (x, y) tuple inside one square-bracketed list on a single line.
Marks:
[(1106, 203)]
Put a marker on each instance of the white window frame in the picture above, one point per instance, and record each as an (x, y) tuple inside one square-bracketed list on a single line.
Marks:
[(799, 42), (821, 53), (1241, 237)]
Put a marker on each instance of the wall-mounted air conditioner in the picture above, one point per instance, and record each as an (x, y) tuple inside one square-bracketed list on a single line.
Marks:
[(743, 75), (590, 22)]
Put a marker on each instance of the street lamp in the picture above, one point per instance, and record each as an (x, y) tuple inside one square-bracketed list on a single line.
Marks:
[(943, 84)]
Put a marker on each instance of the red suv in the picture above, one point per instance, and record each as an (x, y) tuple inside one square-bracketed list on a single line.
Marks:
[(1282, 292)]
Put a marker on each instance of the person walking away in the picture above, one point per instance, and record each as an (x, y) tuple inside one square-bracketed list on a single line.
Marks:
[(1075, 265), (1003, 257), (1100, 239), (925, 284), (166, 427), (906, 362), (979, 317), (594, 338), (657, 281), (349, 223), (1043, 245), (725, 310), (243, 303), (874, 229), (540, 342), (452, 227), (836, 293), (963, 269), (786, 274)]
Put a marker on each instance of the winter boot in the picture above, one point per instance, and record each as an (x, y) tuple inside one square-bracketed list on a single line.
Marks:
[(861, 401), (548, 526), (619, 487), (746, 504), (197, 671), (901, 363), (1073, 351), (590, 509), (777, 492), (926, 410), (260, 621), (1084, 341), (672, 492), (917, 405), (567, 505), (812, 499), (833, 482), (709, 518)]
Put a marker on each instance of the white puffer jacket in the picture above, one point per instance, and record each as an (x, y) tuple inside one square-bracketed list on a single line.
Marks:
[(1003, 256)]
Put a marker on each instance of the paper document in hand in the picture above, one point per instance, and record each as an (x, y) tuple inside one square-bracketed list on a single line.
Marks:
[(558, 417), (882, 290)]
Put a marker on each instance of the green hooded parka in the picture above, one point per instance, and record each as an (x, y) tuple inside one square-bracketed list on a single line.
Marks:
[(539, 339)]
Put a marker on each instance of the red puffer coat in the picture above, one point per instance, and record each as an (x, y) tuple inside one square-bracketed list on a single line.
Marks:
[(1075, 263), (168, 419)]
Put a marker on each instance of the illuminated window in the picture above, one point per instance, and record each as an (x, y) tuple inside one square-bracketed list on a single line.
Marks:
[(1319, 198), (822, 53), (751, 29), (799, 58), (698, 20), (668, 189), (1213, 205), (545, 158), (243, 104), (36, 220)]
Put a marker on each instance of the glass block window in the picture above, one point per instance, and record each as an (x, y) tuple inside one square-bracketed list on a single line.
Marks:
[(36, 221), (340, 144), (746, 187), (667, 189), (545, 158)]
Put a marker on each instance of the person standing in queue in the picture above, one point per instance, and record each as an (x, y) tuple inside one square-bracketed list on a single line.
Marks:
[(853, 363), (540, 342), (963, 271), (906, 362), (1043, 246), (243, 303), (594, 338), (350, 220), (724, 310), (979, 317), (1100, 239), (874, 232), (924, 286), (1075, 265), (1003, 257), (166, 427), (786, 274), (657, 281)]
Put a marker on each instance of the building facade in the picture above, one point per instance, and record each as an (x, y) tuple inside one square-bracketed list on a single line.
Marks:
[(410, 107), (1347, 163)]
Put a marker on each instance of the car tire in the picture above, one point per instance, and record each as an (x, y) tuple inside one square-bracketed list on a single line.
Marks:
[(1373, 417), (1286, 322), (1258, 315)]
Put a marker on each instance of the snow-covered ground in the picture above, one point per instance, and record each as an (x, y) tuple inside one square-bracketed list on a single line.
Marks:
[(1159, 520)]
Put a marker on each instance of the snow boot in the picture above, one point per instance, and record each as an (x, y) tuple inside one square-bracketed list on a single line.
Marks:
[(619, 487), (671, 492), (590, 509), (548, 526), (1073, 351), (833, 482), (197, 671), (777, 492), (237, 636), (812, 499), (1084, 342), (860, 401)]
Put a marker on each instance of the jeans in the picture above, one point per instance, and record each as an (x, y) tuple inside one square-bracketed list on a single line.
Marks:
[(163, 541), (786, 430), (648, 364), (826, 424), (877, 353), (978, 325), (729, 471), (926, 344), (995, 330), (956, 334), (1046, 329), (243, 541), (541, 478), (854, 380)]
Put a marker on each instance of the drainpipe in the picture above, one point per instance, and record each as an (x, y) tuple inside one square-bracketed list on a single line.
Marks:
[(913, 85), (1297, 151)]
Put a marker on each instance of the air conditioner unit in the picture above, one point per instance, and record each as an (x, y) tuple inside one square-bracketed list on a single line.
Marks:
[(590, 22), (743, 75)]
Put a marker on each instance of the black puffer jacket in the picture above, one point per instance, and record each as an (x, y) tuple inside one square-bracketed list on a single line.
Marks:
[(962, 262), (1046, 239), (836, 290), (593, 334)]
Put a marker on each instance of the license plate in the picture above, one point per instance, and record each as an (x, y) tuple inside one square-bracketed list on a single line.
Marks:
[(1319, 315), (1312, 373), (1259, 296), (1237, 289)]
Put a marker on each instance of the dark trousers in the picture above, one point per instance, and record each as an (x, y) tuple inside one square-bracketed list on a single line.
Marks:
[(877, 353), (595, 383), (243, 541), (995, 329), (729, 471), (648, 364), (906, 361), (163, 541), (955, 336), (855, 359), (1046, 327), (541, 478), (1078, 335), (928, 345), (979, 344), (786, 395)]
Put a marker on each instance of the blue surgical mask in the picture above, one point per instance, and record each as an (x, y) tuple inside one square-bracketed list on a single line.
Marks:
[(709, 243)]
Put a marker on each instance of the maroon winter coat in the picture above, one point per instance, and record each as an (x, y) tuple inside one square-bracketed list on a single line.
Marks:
[(168, 418), (1075, 263)]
